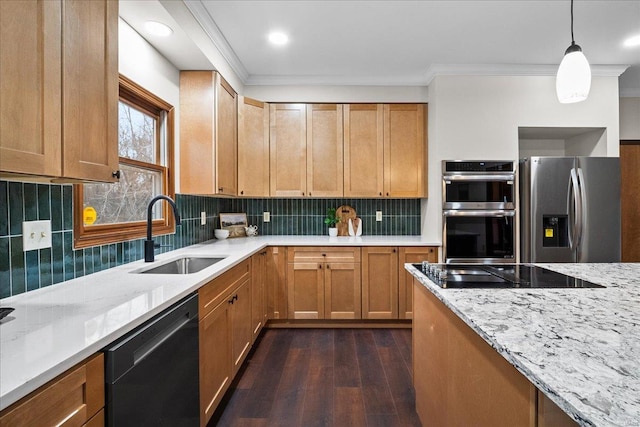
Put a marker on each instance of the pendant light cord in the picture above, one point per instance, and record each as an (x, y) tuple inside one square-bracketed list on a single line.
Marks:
[(572, 41)]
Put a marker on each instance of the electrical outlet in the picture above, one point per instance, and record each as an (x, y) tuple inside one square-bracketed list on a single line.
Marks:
[(266, 216), (36, 235), (378, 216), (203, 218)]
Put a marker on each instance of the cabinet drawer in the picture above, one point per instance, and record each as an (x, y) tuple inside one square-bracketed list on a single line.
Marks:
[(323, 254), (70, 399), (214, 292)]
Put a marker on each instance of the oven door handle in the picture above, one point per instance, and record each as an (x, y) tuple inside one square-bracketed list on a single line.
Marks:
[(487, 177), (477, 213)]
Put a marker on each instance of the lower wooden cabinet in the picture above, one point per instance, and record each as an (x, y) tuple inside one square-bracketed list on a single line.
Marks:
[(276, 282), (460, 380), (379, 282), (323, 283), (76, 397), (225, 333), (258, 293), (405, 279)]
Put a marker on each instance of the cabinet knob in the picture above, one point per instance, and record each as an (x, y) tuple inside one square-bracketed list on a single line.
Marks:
[(241, 192), (116, 174), (387, 194), (303, 193), (320, 266), (309, 194), (328, 267), (381, 193), (394, 251)]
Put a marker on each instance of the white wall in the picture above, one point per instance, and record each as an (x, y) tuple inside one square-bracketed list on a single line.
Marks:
[(629, 118), (140, 62), (477, 117)]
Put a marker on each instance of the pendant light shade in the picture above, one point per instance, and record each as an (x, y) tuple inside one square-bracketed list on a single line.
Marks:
[(573, 81)]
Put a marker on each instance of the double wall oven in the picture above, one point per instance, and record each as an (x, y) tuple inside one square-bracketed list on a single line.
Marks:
[(479, 211)]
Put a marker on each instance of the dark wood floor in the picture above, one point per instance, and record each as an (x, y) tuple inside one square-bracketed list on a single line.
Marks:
[(324, 377)]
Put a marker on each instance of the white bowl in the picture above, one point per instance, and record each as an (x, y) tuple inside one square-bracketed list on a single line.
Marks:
[(221, 234)]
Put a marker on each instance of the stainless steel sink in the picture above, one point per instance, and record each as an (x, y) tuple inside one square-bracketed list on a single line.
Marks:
[(185, 265)]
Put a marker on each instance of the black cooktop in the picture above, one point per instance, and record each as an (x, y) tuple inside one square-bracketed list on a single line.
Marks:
[(499, 276)]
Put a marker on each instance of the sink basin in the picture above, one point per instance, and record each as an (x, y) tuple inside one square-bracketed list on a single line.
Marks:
[(185, 265)]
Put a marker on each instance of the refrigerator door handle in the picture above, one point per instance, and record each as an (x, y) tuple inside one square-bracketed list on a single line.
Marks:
[(573, 203), (580, 208)]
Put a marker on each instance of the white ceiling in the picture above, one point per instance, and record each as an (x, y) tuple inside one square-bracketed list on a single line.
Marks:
[(393, 42)]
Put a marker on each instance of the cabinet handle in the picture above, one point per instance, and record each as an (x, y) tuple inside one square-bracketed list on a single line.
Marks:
[(241, 192), (221, 189), (381, 193), (235, 297), (394, 251), (320, 266), (328, 267), (303, 193), (116, 174), (309, 194), (324, 254), (387, 194)]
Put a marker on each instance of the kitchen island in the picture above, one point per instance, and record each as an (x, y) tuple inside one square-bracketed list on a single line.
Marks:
[(579, 347)]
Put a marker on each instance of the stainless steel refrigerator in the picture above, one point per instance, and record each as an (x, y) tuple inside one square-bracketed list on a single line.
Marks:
[(570, 209)]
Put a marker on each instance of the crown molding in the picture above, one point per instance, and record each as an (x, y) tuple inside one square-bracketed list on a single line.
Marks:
[(512, 70), (200, 13), (327, 80)]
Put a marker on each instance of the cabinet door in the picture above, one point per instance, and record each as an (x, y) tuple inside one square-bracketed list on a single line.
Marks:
[(363, 150), (404, 150), (324, 150), (379, 283), (277, 300), (215, 359), (90, 89), (241, 330), (405, 279), (226, 141), (305, 283), (288, 147), (258, 300), (30, 91), (253, 148), (342, 291)]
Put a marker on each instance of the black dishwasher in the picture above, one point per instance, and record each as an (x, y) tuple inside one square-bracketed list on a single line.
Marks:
[(152, 372)]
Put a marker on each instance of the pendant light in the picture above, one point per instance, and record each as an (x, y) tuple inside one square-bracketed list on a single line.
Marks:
[(573, 81)]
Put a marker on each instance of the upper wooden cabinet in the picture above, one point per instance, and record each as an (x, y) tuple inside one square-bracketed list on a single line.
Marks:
[(324, 150), (384, 150), (288, 146), (59, 89), (208, 134), (404, 150), (253, 148), (363, 150)]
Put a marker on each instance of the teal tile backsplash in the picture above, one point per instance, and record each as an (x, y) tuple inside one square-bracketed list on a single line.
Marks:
[(25, 271)]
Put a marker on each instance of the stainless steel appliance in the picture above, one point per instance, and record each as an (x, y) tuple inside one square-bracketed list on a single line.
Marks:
[(152, 373), (479, 199), (570, 209), (499, 276)]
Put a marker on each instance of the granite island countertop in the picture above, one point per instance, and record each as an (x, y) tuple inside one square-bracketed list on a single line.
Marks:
[(56, 327), (580, 347)]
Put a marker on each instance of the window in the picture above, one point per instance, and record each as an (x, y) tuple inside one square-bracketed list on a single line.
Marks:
[(108, 213)]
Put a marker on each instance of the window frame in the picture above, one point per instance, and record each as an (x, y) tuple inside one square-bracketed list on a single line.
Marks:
[(95, 235)]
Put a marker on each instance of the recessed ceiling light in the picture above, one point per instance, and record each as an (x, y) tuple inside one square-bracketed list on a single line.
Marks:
[(632, 41), (158, 28), (278, 38)]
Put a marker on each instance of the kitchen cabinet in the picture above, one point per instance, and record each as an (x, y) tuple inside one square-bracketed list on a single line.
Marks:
[(379, 282), (224, 310), (208, 134), (384, 150), (405, 279), (363, 150), (253, 148), (76, 397), (404, 150), (324, 150), (258, 293), (65, 126), (276, 282), (459, 379), (323, 283), (288, 150)]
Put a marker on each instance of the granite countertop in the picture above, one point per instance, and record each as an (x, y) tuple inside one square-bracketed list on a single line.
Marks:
[(580, 347), (58, 326)]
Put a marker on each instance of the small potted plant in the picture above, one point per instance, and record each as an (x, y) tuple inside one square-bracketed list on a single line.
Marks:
[(331, 220)]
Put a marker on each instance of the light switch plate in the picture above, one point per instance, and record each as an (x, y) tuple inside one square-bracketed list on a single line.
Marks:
[(266, 216), (203, 218), (379, 216), (36, 235)]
